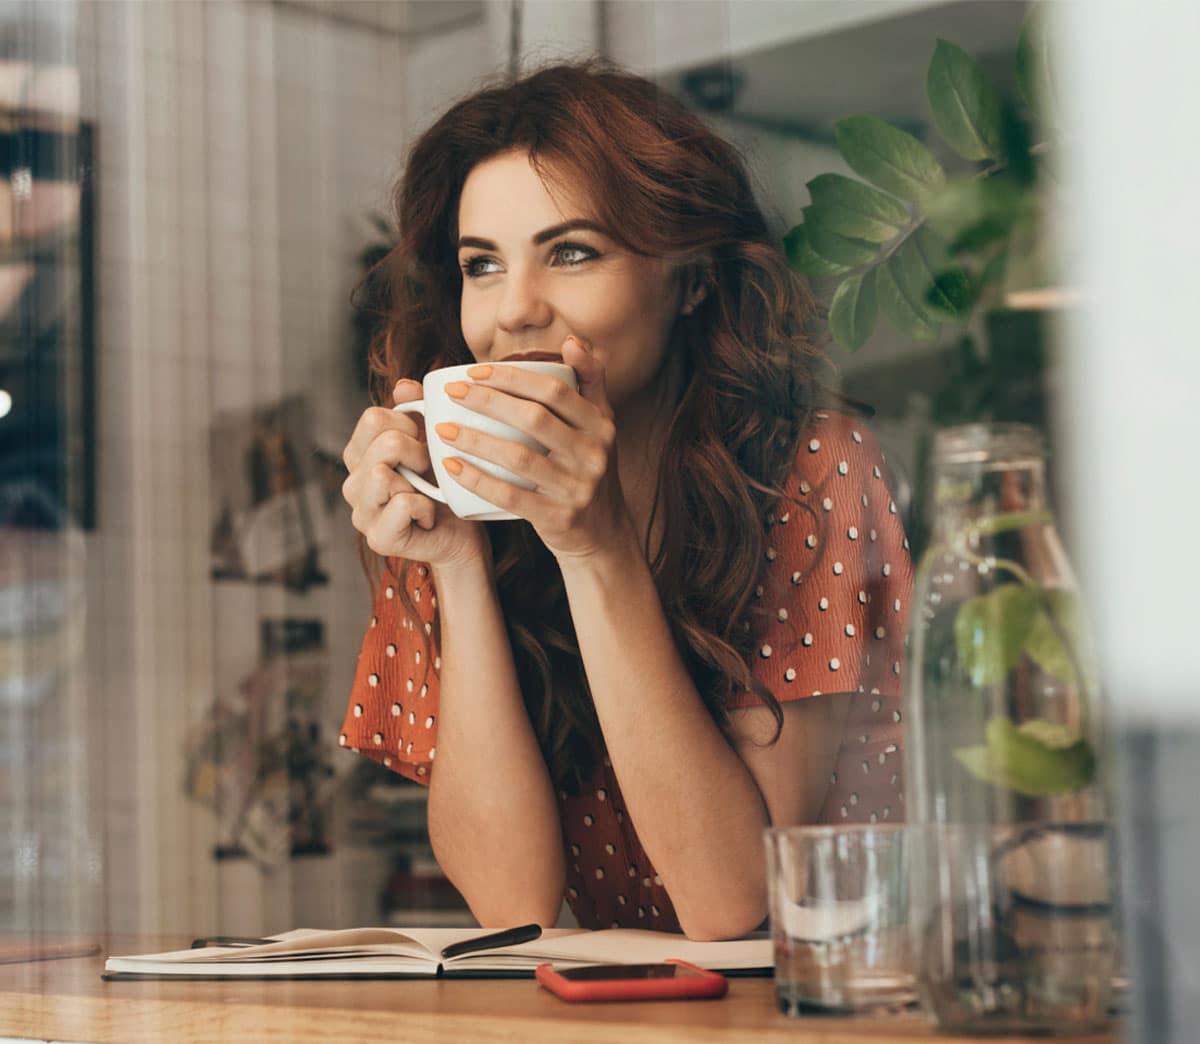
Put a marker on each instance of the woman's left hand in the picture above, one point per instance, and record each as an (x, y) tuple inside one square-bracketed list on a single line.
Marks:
[(577, 507)]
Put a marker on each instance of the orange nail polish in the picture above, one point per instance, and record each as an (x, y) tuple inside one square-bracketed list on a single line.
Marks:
[(479, 373), (453, 465), (446, 432), (457, 389)]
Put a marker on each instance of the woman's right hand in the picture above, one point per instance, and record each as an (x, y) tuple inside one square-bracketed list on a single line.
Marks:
[(396, 520)]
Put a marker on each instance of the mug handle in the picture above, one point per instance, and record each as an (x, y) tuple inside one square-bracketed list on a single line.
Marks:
[(424, 485)]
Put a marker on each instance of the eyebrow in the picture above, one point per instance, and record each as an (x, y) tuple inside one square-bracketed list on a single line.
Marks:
[(544, 236)]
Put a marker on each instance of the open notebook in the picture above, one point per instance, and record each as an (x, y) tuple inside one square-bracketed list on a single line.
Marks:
[(415, 952)]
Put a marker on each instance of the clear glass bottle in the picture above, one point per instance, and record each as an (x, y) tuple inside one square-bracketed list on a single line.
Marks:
[(1011, 906)]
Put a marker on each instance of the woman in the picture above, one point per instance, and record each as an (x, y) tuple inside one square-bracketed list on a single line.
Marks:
[(704, 600)]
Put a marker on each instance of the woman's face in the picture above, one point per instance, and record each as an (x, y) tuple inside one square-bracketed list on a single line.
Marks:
[(536, 268)]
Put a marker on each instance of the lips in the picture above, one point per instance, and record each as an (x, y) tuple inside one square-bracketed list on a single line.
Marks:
[(533, 357)]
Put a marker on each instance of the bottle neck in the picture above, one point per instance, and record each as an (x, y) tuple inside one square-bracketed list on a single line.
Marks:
[(970, 495)]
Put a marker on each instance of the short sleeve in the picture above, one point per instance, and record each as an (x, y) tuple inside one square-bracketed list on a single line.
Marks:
[(833, 600), (393, 708)]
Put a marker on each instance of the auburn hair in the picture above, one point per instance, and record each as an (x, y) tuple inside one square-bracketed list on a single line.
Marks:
[(661, 184)]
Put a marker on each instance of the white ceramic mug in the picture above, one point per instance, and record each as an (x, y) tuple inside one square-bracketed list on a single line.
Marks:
[(439, 408)]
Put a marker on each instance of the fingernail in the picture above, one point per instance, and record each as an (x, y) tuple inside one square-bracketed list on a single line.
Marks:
[(479, 373), (407, 380), (446, 432), (457, 389), (453, 465)]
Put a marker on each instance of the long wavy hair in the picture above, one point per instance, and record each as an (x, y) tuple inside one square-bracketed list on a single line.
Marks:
[(662, 184)]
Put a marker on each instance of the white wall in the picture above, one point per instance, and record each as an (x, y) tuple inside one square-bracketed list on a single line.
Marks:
[(240, 148)]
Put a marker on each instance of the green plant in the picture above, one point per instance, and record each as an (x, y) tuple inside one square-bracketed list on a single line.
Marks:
[(912, 242)]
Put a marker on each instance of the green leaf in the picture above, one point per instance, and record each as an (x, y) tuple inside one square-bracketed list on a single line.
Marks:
[(945, 290), (1035, 74), (971, 212), (852, 311), (915, 276), (1048, 733), (907, 316), (834, 247), (888, 157), (1018, 760), (852, 209), (1046, 645), (802, 258), (966, 107), (990, 631)]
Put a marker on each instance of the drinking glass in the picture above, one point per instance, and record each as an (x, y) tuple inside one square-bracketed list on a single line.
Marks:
[(839, 918)]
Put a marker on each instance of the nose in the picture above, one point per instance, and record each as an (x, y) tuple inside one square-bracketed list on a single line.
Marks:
[(523, 304)]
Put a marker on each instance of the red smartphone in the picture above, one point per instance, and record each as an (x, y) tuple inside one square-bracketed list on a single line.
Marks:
[(670, 980)]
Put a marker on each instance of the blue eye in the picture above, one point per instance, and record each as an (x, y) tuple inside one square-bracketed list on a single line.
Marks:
[(473, 268), (569, 254)]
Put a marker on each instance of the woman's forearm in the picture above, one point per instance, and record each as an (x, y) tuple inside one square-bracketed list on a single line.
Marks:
[(695, 805), (493, 822)]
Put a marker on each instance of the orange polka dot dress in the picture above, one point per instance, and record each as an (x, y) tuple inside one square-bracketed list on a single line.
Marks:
[(834, 591)]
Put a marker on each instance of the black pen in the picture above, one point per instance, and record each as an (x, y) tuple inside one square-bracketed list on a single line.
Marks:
[(508, 937)]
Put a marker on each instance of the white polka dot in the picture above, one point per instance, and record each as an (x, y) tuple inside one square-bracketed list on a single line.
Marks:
[(896, 606), (641, 911), (854, 799), (838, 568), (429, 628), (842, 467), (874, 536), (387, 761), (417, 654), (409, 685), (852, 532), (599, 873), (856, 437), (374, 620), (645, 882), (432, 752), (895, 715), (633, 871), (588, 820), (373, 680), (390, 650), (377, 739), (412, 718), (417, 595), (622, 900), (805, 488), (654, 910), (424, 690), (849, 630), (874, 818), (827, 504), (771, 554), (572, 893), (823, 604), (875, 471), (814, 445), (782, 615), (810, 541), (891, 507), (390, 592), (835, 664), (610, 848), (785, 518), (658, 880), (887, 569), (789, 675), (796, 577), (342, 740), (420, 770), (862, 597), (845, 811), (875, 705), (429, 722), (880, 632), (422, 571), (358, 710), (765, 652), (895, 668), (437, 663), (758, 591), (601, 794)]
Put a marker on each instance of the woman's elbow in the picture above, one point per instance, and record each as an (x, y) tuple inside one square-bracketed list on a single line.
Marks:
[(723, 922)]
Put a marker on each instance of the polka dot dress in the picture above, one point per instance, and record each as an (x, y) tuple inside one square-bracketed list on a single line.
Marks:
[(830, 616)]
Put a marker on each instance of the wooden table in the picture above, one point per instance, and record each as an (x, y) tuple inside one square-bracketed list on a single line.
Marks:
[(65, 1000)]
